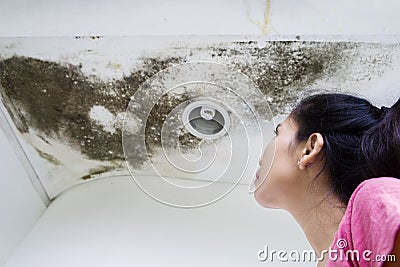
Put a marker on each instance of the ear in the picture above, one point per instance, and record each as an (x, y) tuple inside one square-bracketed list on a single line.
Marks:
[(312, 150)]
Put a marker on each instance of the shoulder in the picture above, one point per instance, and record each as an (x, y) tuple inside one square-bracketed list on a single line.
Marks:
[(377, 190), (374, 203), (380, 182), (375, 214)]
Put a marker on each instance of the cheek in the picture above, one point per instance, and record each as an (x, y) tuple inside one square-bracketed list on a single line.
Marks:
[(267, 160), (276, 176)]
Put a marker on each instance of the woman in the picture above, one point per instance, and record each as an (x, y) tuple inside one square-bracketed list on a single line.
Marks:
[(334, 165)]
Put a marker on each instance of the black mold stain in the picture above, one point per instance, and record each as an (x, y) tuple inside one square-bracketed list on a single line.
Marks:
[(156, 120), (246, 42), (283, 68), (56, 100), (136, 153)]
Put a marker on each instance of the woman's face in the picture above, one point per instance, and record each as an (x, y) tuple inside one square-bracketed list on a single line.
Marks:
[(280, 184)]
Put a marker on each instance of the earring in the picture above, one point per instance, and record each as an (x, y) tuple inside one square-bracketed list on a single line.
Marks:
[(298, 163)]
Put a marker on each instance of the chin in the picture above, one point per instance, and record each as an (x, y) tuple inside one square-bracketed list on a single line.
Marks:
[(263, 202)]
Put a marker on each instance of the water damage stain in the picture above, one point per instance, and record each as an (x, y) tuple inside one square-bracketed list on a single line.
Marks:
[(57, 99)]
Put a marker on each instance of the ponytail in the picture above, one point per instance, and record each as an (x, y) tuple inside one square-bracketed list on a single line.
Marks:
[(380, 145)]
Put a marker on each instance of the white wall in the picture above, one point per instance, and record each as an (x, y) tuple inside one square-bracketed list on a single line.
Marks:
[(181, 17), (20, 205)]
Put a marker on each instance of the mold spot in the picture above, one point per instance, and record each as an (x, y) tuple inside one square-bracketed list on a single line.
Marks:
[(99, 170), (245, 42), (48, 157), (93, 37)]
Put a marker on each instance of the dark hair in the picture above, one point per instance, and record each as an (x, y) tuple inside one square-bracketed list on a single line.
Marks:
[(361, 141)]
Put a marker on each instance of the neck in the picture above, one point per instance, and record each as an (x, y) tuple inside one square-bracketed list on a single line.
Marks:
[(319, 220)]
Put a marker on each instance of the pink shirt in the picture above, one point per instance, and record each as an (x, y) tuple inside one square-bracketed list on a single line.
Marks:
[(369, 225)]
